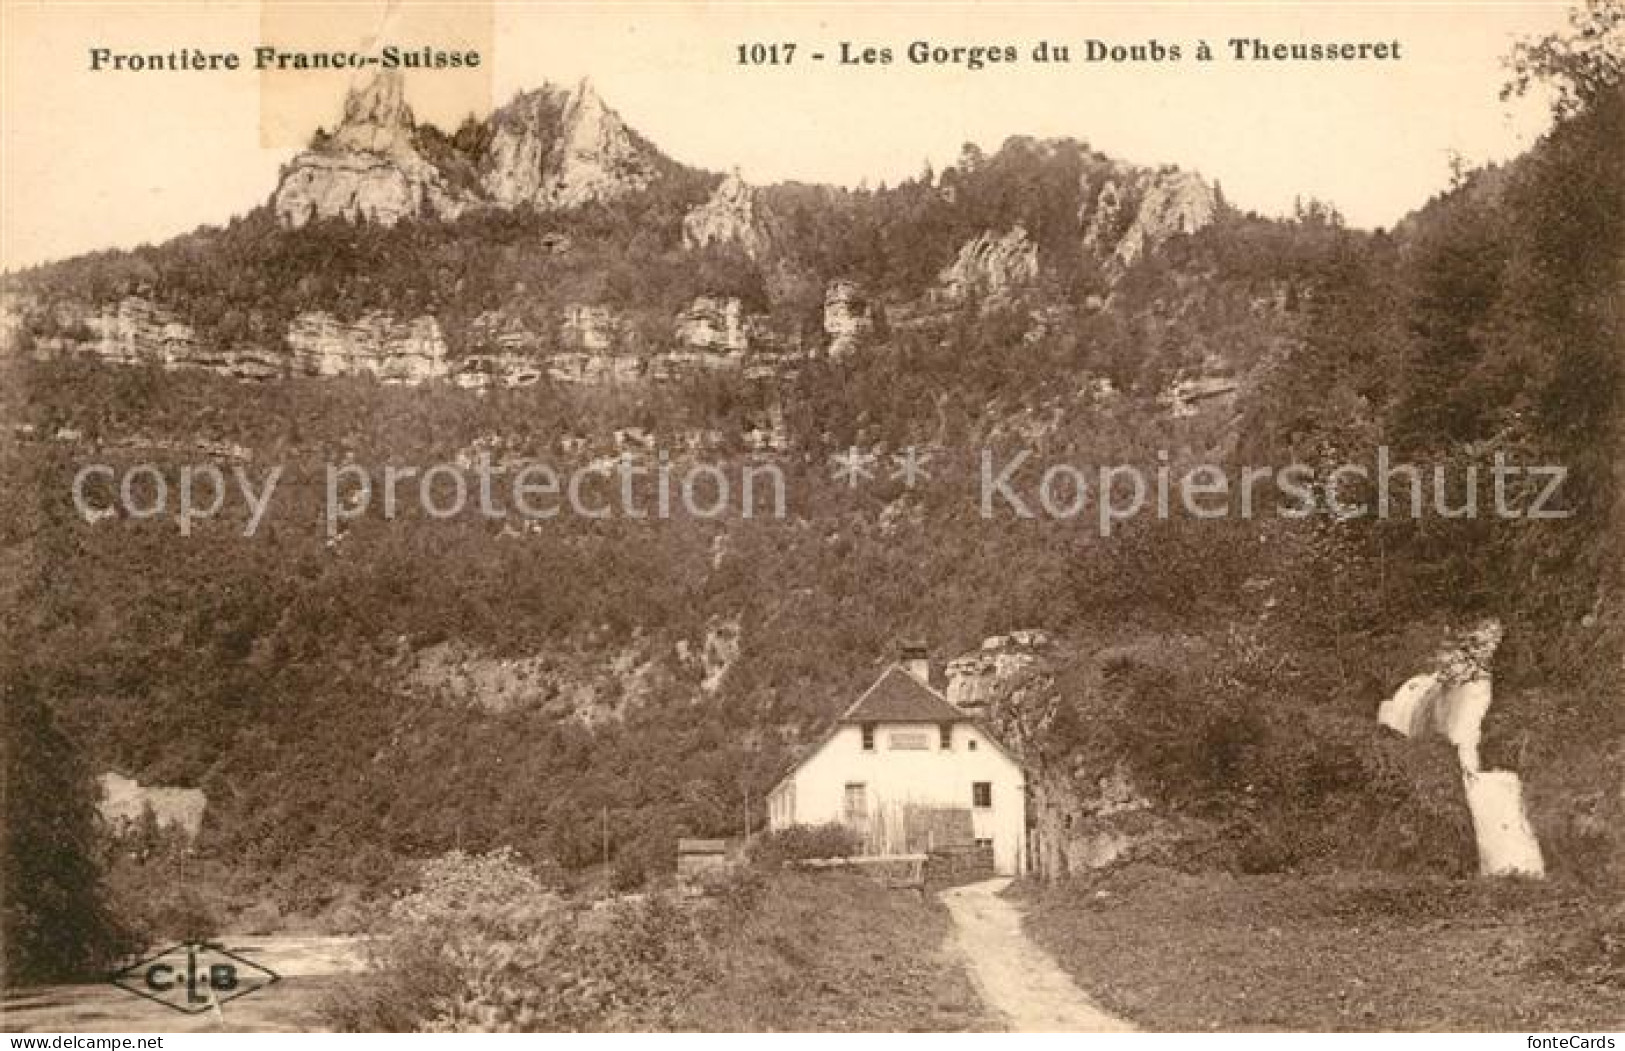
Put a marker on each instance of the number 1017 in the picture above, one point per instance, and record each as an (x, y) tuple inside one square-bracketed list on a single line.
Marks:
[(766, 54)]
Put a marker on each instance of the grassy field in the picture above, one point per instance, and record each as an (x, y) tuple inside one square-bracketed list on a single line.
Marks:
[(486, 950), (1176, 952), (831, 952)]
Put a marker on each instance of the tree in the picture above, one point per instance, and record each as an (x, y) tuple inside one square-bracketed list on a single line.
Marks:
[(56, 921), (1579, 66)]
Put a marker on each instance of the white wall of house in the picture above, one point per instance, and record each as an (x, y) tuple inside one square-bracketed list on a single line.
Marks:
[(908, 766)]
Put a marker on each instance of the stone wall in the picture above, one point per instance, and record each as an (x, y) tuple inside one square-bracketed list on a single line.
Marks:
[(957, 865)]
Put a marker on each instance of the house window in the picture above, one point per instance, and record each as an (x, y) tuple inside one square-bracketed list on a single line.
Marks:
[(971, 744), (946, 735), (981, 794), (868, 737), (857, 801)]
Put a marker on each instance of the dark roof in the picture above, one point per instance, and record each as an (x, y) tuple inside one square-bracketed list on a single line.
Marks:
[(898, 697)]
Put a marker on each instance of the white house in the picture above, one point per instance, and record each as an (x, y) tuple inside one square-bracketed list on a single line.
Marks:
[(901, 756)]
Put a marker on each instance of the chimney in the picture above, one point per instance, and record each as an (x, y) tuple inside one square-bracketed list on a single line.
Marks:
[(915, 659)]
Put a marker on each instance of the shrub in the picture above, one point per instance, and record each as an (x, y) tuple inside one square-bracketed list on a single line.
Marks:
[(801, 842), (485, 946)]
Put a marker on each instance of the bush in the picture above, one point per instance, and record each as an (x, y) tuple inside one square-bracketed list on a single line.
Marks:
[(485, 946), (1593, 953), (801, 842)]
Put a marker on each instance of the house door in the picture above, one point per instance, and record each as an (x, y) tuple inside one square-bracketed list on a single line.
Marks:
[(856, 807)]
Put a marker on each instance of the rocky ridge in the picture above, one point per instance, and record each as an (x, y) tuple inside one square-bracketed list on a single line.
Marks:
[(370, 168), (547, 148)]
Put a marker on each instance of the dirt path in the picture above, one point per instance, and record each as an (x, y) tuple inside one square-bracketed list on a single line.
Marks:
[(1014, 976)]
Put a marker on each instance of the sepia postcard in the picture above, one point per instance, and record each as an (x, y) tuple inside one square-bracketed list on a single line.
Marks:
[(801, 517)]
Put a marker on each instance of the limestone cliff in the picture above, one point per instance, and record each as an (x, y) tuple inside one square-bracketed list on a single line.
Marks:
[(1173, 203), (369, 168), (1085, 815), (849, 317), (993, 266), (547, 148), (974, 680), (714, 323), (375, 344), (732, 216), (552, 149), (136, 331)]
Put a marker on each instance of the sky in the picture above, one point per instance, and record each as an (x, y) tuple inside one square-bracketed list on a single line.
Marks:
[(99, 159)]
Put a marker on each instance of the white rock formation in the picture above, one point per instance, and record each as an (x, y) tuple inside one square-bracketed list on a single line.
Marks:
[(136, 331), (594, 367), (974, 678), (713, 323), (992, 266), (369, 168), (555, 152), (584, 326), (1135, 211), (1174, 203), (848, 317), (375, 344), (493, 330), (719, 651), (733, 215), (548, 148)]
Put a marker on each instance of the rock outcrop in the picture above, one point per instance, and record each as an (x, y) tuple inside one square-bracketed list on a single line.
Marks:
[(484, 371), (1187, 396), (732, 216), (975, 678), (1107, 218), (375, 344), (849, 317), (548, 149), (590, 345), (1136, 211), (715, 654), (589, 687), (594, 367), (136, 331), (714, 323), (554, 150), (369, 168), (992, 267), (1173, 203), (586, 326), (1086, 815)]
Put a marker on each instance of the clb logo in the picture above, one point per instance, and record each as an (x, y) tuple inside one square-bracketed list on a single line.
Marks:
[(193, 977)]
